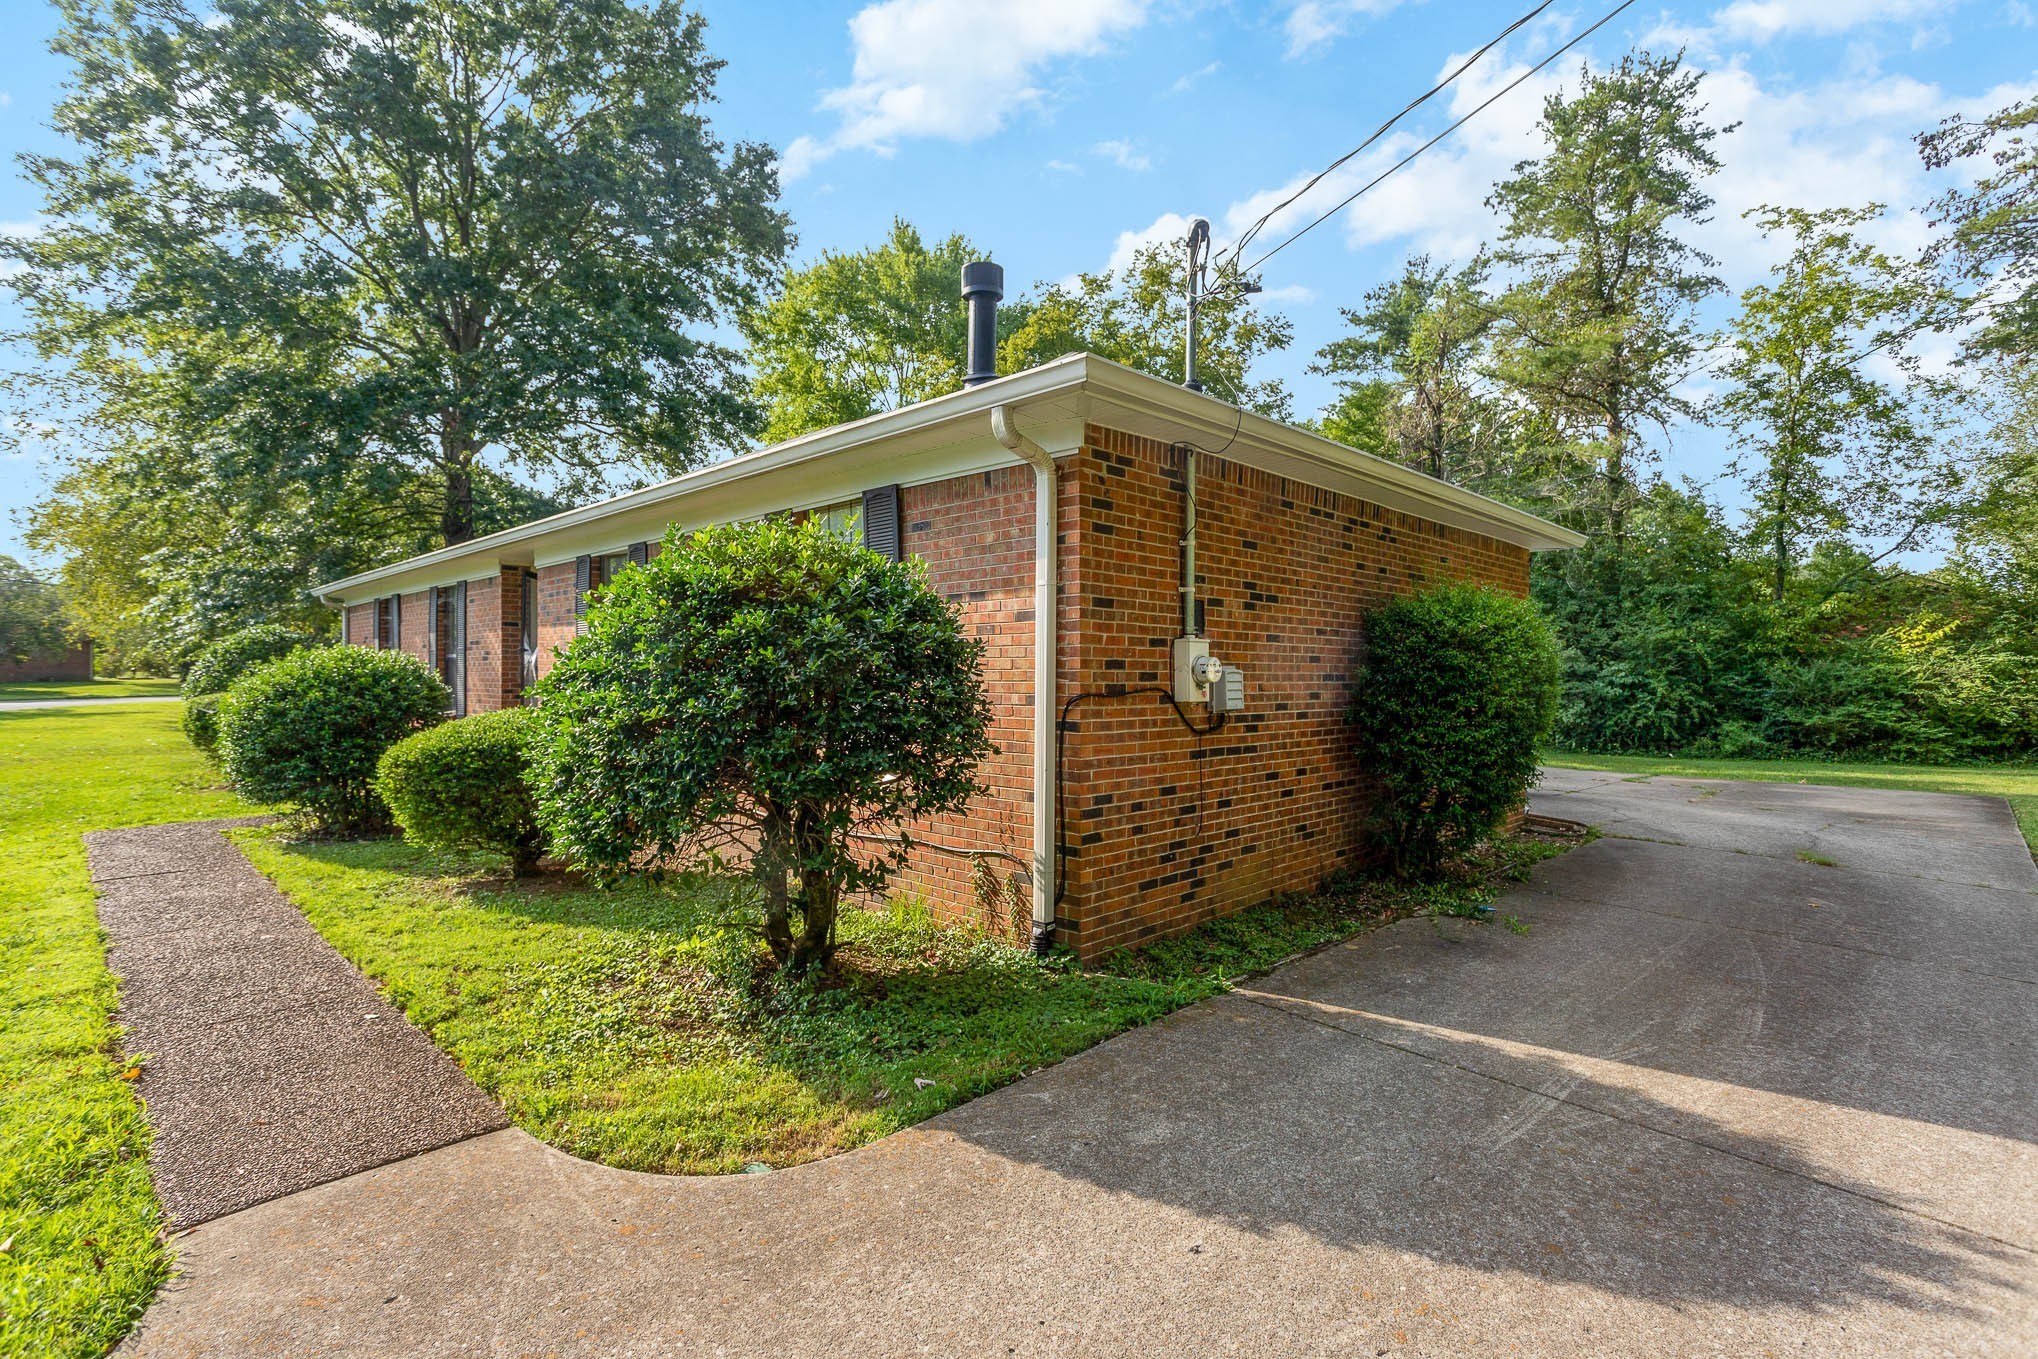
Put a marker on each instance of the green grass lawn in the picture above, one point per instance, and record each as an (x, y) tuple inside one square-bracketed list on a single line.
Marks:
[(54, 689), (2017, 784), (636, 1027), (79, 1255)]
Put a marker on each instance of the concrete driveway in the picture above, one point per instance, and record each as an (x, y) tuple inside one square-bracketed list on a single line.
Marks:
[(1719, 1100)]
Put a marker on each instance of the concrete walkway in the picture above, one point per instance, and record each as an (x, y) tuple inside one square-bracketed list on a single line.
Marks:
[(273, 1065), (1718, 1101)]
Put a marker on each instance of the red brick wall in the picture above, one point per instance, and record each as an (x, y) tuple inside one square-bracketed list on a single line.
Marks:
[(69, 663), (976, 535), (1166, 829), (494, 641), (360, 625), (555, 613), (414, 636)]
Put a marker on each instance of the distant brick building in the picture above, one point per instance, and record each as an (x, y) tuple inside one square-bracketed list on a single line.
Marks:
[(73, 662), (1107, 816)]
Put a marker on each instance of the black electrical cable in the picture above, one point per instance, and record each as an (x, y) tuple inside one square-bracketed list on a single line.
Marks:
[(1505, 90), (1061, 727), (1237, 247)]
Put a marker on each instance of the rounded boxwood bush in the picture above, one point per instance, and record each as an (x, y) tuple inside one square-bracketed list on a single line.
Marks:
[(1460, 687), (201, 720), (233, 655), (309, 730), (464, 785)]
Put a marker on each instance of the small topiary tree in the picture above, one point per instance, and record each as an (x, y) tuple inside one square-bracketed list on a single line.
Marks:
[(770, 689), (1460, 686), (309, 730), (465, 785), (233, 655)]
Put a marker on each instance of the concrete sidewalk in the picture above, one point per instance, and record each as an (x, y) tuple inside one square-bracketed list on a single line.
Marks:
[(273, 1064), (21, 705), (1718, 1101)]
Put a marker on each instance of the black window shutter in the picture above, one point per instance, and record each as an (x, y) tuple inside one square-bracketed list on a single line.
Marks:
[(583, 581), (639, 553), (881, 521)]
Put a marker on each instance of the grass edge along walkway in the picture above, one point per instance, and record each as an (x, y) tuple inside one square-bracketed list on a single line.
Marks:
[(80, 1250), (2016, 784), (637, 1027), (85, 691)]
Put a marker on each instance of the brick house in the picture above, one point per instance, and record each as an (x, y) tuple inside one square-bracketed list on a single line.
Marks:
[(1108, 820)]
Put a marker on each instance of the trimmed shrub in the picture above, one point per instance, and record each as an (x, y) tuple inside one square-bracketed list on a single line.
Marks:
[(1459, 688), (201, 720), (309, 730), (233, 655), (766, 686), (465, 785)]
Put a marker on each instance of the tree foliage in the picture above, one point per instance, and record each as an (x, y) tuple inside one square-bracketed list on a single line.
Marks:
[(768, 690), (364, 242), (31, 613), (1599, 330), (859, 333), (1413, 372), (1829, 451), (1991, 227)]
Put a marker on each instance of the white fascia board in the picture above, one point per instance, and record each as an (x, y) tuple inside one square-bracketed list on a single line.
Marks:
[(1123, 398), (949, 436)]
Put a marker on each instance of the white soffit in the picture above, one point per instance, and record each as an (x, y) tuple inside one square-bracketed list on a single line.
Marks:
[(946, 437)]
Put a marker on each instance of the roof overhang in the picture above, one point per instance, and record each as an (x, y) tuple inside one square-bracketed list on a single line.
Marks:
[(951, 436)]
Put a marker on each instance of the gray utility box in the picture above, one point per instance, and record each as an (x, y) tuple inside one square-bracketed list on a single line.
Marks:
[(1227, 691)]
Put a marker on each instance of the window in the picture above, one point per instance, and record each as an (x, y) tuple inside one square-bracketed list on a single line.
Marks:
[(844, 521), (528, 628), (389, 622), (449, 634)]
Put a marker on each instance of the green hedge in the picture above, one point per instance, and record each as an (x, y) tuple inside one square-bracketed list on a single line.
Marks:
[(1460, 686), (201, 720), (465, 785), (235, 654), (310, 729)]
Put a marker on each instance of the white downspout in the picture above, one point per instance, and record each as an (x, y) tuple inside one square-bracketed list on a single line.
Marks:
[(1046, 637)]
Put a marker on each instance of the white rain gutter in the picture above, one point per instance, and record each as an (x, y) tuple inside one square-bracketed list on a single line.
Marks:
[(1046, 639)]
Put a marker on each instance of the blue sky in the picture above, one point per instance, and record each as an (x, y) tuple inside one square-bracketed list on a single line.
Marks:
[(1058, 134)]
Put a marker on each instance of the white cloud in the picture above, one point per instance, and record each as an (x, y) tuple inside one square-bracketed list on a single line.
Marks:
[(1064, 167), (1121, 153), (1845, 141), (1312, 23), (931, 68), (1168, 227), (1183, 83), (1765, 19)]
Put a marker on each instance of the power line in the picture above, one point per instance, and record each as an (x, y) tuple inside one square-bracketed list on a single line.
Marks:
[(1374, 182), (1237, 247)]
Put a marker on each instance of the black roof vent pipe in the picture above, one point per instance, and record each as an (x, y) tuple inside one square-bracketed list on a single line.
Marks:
[(983, 285)]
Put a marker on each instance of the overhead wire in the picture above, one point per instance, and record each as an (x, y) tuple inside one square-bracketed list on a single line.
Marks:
[(1237, 247), (1498, 95)]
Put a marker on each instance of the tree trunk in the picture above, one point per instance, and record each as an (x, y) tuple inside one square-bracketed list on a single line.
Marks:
[(457, 451)]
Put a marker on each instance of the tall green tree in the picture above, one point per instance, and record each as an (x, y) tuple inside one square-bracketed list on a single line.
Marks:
[(348, 238), (1599, 330), (1137, 316), (858, 333), (1828, 451), (1991, 228), (1411, 368)]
